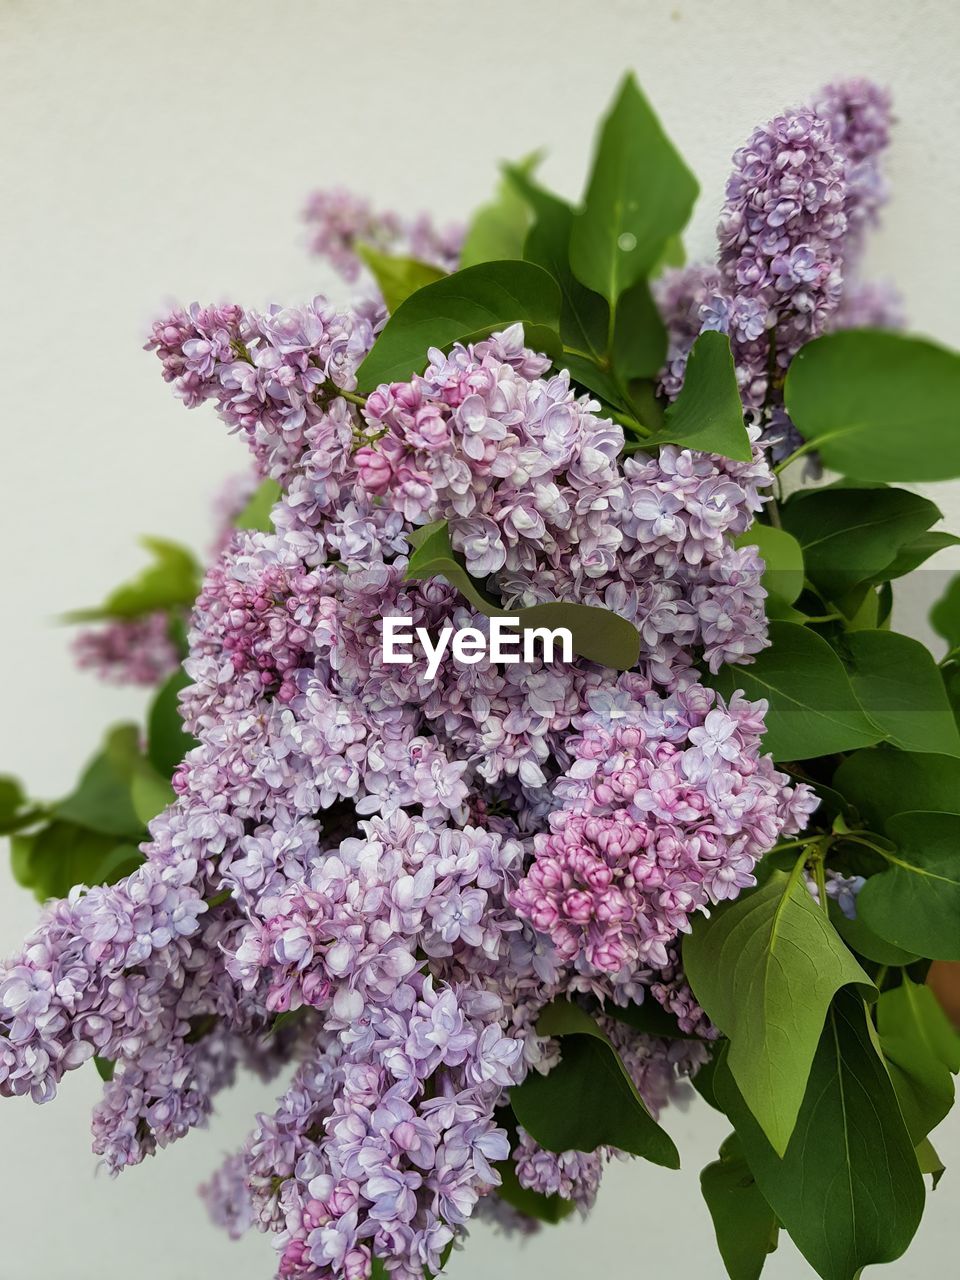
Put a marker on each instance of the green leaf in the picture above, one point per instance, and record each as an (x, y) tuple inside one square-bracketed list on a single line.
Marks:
[(101, 801), (745, 1225), (597, 634), (105, 1068), (256, 514), (877, 405), (865, 942), (782, 557), (915, 902), (150, 792), (551, 1209), (639, 195), (588, 1100), (945, 614), (922, 1051), (708, 414), (916, 553), (16, 811), (813, 710), (398, 277), (167, 743), (849, 535), (639, 337), (498, 229), (463, 307), (116, 864), (848, 1189), (63, 854), (765, 967), (171, 582), (882, 782), (930, 1162), (584, 315), (900, 687)]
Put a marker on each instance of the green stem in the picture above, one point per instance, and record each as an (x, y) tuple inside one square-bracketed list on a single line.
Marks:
[(626, 421), (351, 396), (807, 447), (820, 875)]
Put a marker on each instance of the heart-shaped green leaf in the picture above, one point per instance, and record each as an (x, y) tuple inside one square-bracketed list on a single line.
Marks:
[(588, 1100), (922, 1052), (878, 405), (848, 1188), (849, 535), (813, 710), (463, 307), (765, 967), (398, 277), (639, 195), (746, 1227), (708, 413), (915, 903), (900, 687)]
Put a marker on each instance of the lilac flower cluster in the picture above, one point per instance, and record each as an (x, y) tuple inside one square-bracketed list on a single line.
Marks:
[(666, 806), (339, 220), (531, 484), (409, 868), (385, 876), (128, 651), (803, 191)]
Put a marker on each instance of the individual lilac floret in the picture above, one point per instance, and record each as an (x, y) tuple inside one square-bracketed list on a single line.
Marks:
[(129, 650), (842, 889)]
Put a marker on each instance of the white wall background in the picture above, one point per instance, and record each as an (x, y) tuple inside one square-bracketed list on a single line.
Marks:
[(151, 152)]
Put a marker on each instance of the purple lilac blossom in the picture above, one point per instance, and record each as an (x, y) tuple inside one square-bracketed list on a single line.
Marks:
[(412, 867), (338, 221), (128, 650)]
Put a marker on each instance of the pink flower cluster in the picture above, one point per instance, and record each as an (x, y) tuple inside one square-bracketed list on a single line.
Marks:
[(667, 805)]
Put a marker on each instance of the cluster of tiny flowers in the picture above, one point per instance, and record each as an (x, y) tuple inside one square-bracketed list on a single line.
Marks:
[(388, 876), (269, 372), (383, 876), (128, 650), (781, 230), (531, 484), (667, 804), (338, 221), (860, 117), (803, 191)]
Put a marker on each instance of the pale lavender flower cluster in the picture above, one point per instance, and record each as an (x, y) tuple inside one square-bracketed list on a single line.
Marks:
[(338, 221), (412, 868), (860, 117), (386, 877), (531, 484), (128, 650), (803, 191), (268, 372)]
